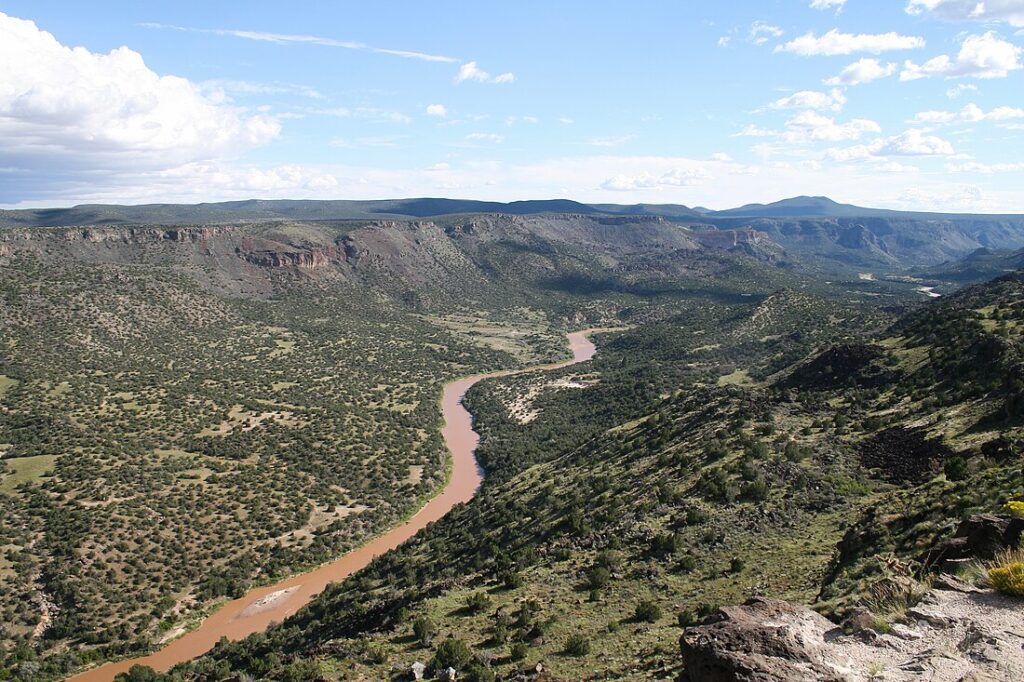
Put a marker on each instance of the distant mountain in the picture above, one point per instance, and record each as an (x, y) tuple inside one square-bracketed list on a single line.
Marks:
[(823, 234)]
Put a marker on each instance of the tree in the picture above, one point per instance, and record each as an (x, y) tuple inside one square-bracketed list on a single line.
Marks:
[(452, 653), (424, 630)]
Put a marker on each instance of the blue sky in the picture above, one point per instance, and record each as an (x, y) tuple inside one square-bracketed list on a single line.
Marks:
[(906, 103)]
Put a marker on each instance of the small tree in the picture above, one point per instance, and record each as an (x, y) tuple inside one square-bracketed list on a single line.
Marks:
[(452, 653), (424, 630)]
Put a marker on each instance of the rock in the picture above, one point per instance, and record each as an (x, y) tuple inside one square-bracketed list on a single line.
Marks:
[(979, 537), (860, 619), (945, 581), (448, 675), (418, 669), (764, 640)]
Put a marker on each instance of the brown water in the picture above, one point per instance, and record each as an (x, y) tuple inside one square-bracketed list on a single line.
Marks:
[(261, 606)]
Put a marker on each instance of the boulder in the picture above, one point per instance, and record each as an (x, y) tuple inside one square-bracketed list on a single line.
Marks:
[(980, 536), (764, 640)]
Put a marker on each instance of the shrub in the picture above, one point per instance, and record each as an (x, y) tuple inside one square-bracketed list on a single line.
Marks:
[(598, 577), (452, 653), (736, 564), (478, 602), (424, 630), (647, 611), (1015, 507), (955, 468), (518, 651), (1006, 572), (577, 645)]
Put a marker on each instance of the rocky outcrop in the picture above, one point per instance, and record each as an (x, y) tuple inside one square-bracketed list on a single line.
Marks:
[(979, 537), (762, 640), (288, 259), (958, 634)]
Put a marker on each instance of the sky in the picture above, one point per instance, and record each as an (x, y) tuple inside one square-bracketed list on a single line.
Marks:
[(908, 104)]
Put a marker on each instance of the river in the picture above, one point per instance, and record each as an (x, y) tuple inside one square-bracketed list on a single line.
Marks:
[(261, 606)]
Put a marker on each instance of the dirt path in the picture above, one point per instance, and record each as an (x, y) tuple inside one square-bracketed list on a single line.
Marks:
[(260, 607)]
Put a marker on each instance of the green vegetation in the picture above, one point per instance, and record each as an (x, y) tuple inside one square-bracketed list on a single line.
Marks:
[(745, 422)]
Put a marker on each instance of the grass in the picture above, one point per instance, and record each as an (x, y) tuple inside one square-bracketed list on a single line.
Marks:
[(6, 384), (25, 469), (740, 377)]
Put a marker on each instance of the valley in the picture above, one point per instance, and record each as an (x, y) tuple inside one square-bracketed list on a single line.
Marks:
[(228, 429)]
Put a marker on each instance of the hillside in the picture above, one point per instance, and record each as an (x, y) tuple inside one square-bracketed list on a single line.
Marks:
[(270, 378), (816, 231), (589, 555)]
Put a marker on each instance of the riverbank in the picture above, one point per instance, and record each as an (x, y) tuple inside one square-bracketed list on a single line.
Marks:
[(257, 609)]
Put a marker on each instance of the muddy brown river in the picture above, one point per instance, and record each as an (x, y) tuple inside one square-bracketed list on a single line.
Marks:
[(261, 606)]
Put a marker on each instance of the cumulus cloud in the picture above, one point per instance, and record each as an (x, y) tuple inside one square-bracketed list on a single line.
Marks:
[(811, 99), (980, 56), (862, 71), (675, 177), (971, 113), (471, 72), (913, 142), (1010, 11), (64, 108), (438, 110), (810, 126), (837, 43)]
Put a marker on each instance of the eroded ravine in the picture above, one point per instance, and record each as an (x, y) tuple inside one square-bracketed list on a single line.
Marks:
[(261, 606)]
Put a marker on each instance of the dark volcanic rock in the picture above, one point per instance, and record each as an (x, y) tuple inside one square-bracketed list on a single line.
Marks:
[(904, 455), (979, 537), (765, 640)]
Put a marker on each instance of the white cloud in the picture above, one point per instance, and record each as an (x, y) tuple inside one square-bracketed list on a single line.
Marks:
[(286, 38), (566, 120), (913, 142), (862, 71), (471, 72), (811, 99), (809, 126), (828, 4), (985, 168), (971, 113), (721, 156), (724, 41), (67, 108), (438, 110), (610, 141), (761, 32), (675, 177), (837, 43), (959, 89), (980, 56), (1010, 11)]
